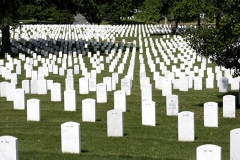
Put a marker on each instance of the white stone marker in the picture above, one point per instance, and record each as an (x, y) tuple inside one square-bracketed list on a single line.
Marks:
[(223, 84), (101, 93), (42, 86), (172, 105), (26, 86), (56, 94), (229, 106), (33, 110), (10, 91), (183, 84), (92, 84), (197, 83), (69, 84), (115, 123), (235, 144), (83, 85), (34, 87), (186, 127), (89, 110), (209, 152), (146, 92), (166, 87), (126, 85), (69, 100), (3, 86), (19, 99), (210, 114), (8, 148), (120, 100), (148, 113), (108, 82), (71, 137)]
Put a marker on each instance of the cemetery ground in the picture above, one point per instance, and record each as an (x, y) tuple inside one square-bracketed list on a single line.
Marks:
[(42, 139)]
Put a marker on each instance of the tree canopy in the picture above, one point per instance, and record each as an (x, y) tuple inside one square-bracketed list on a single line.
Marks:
[(220, 42)]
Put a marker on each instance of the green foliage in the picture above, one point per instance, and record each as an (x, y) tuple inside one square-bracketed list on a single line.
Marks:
[(220, 44), (63, 17), (150, 11)]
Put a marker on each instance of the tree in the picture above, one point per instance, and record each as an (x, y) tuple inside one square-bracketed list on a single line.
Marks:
[(190, 10), (8, 17), (220, 43)]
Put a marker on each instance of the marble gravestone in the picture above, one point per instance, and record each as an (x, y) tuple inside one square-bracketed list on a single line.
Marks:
[(209, 152), (89, 110), (172, 105), (235, 144), (101, 93), (120, 100), (71, 137), (115, 123), (223, 84), (19, 99), (83, 85), (56, 94), (166, 87), (146, 92), (126, 86), (8, 148), (210, 114), (229, 106), (69, 100), (33, 110), (148, 113), (186, 126)]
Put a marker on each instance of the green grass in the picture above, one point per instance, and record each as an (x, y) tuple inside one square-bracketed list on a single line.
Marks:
[(42, 140)]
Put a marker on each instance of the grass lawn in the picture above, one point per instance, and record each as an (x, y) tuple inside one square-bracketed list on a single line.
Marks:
[(42, 140)]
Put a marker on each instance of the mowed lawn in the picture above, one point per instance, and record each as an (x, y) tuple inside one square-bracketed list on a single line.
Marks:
[(42, 140)]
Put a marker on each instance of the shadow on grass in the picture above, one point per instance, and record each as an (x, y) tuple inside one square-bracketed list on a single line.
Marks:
[(220, 103)]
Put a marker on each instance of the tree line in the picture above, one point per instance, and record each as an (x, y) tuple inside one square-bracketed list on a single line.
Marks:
[(216, 37)]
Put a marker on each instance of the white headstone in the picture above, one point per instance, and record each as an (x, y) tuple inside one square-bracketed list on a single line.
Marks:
[(92, 84), (42, 86), (19, 99), (211, 114), (10, 91), (101, 93), (34, 87), (56, 94), (115, 123), (83, 85), (126, 85), (146, 92), (26, 86), (172, 105), (89, 110), (223, 84), (69, 84), (148, 113), (166, 87), (209, 152), (8, 148), (33, 110), (69, 100), (71, 137), (120, 100), (235, 144), (186, 127), (229, 106)]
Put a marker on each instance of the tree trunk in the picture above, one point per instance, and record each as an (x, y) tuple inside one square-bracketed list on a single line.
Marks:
[(218, 18), (199, 20), (6, 45), (165, 20)]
